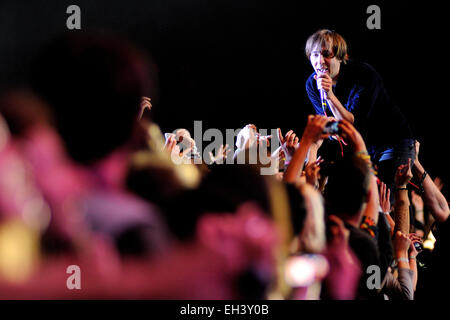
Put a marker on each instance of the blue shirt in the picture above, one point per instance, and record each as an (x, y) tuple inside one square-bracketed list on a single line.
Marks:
[(361, 91)]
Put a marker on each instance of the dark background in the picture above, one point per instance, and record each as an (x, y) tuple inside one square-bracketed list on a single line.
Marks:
[(229, 63)]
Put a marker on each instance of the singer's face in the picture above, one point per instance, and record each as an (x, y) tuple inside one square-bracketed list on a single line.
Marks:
[(324, 61)]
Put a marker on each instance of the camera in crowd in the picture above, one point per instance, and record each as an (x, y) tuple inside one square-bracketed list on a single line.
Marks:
[(418, 246), (332, 128)]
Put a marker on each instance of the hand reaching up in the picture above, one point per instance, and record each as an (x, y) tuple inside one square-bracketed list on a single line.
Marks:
[(403, 175), (289, 143), (385, 194), (352, 136)]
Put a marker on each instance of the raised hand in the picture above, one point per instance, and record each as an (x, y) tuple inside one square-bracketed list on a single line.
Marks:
[(312, 174), (412, 251), (352, 136), (221, 154), (385, 194), (246, 137), (417, 201), (401, 243), (403, 175), (289, 143), (314, 129), (171, 144), (146, 103), (438, 182), (417, 147)]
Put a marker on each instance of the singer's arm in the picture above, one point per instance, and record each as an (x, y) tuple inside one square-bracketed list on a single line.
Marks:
[(325, 83), (338, 109)]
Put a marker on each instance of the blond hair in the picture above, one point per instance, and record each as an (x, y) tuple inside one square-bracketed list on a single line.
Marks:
[(328, 38)]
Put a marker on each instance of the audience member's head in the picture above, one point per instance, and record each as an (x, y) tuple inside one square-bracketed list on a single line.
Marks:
[(312, 236), (94, 84), (347, 187), (221, 191), (307, 218)]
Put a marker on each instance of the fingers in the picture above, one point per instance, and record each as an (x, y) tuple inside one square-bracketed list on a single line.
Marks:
[(404, 170), (324, 75), (344, 124), (314, 128), (225, 151), (211, 157), (385, 194), (324, 81), (414, 237), (319, 161), (381, 190), (417, 146), (290, 138), (402, 240), (186, 151), (315, 118), (438, 182), (320, 121), (146, 103), (280, 136), (345, 127), (170, 143), (388, 196), (267, 140), (401, 169)]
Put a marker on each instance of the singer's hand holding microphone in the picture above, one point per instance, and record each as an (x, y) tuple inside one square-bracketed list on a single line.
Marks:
[(324, 84)]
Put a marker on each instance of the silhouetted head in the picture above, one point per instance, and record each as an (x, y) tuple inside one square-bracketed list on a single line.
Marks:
[(93, 84), (347, 187)]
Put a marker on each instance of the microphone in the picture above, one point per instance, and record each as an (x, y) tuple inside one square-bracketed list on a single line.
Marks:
[(323, 100), (323, 97)]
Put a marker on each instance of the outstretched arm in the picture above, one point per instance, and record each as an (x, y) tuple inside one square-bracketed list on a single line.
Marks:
[(401, 206), (432, 196), (313, 133), (350, 134)]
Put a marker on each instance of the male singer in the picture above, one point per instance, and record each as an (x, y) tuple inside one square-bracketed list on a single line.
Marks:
[(354, 91)]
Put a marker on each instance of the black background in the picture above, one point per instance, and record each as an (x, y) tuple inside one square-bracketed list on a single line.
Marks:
[(229, 63)]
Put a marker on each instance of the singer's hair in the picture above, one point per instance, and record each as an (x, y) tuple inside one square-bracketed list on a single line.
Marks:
[(326, 38)]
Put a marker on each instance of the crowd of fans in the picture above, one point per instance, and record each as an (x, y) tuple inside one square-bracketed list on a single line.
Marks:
[(88, 179)]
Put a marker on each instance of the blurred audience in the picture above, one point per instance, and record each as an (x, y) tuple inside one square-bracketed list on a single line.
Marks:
[(87, 178)]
